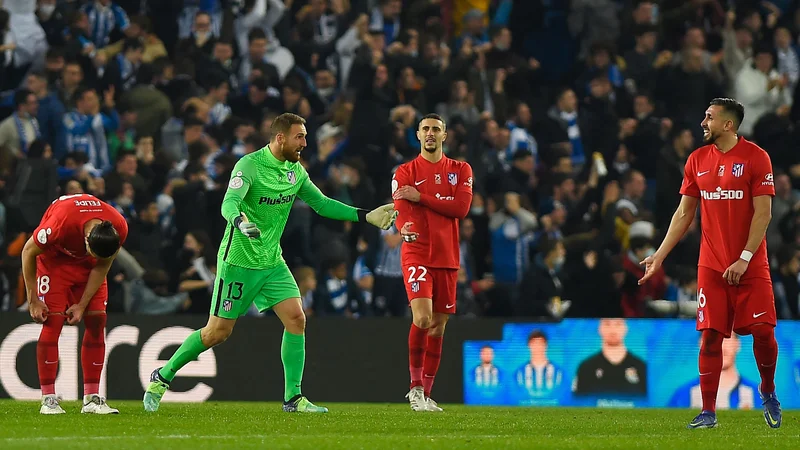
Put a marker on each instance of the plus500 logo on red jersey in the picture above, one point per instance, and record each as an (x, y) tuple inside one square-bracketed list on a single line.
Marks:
[(722, 194)]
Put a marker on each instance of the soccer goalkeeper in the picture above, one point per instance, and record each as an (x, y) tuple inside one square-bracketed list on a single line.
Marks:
[(250, 268)]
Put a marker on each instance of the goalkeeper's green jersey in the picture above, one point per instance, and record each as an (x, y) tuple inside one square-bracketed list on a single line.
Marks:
[(264, 189)]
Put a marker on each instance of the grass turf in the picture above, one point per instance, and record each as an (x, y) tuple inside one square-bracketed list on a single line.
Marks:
[(370, 426)]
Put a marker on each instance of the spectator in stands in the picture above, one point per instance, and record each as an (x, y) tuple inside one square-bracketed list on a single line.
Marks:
[(337, 295), (634, 296), (50, 112), (307, 283), (761, 89), (20, 129), (87, 126), (542, 288), (196, 268)]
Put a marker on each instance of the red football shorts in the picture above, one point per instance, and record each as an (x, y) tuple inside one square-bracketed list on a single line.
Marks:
[(723, 308), (438, 285), (61, 285)]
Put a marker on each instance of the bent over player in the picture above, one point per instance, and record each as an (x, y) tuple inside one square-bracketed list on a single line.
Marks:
[(732, 179), (250, 266), (64, 265), (431, 193)]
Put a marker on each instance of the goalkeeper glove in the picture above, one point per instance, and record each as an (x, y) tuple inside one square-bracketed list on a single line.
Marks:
[(247, 228), (382, 217)]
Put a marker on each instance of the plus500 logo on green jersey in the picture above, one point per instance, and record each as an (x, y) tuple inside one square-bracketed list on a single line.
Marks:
[(282, 199)]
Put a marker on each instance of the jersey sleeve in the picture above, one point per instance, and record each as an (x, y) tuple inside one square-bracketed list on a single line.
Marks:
[(49, 231), (403, 207), (689, 185), (241, 180), (761, 181), (323, 205), (458, 205)]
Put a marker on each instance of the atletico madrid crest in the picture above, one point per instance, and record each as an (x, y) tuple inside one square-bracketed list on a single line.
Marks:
[(291, 177), (452, 178), (738, 169)]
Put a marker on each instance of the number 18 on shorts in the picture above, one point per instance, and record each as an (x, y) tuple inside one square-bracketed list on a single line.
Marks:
[(439, 285)]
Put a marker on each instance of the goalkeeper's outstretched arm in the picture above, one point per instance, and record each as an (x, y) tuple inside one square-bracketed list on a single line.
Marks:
[(382, 217)]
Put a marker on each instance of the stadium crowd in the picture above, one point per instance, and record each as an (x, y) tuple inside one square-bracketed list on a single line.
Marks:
[(577, 118)]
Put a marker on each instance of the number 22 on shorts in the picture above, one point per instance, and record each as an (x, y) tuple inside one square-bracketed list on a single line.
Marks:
[(415, 276)]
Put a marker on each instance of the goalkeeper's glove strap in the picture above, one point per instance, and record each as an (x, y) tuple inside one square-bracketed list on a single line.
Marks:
[(237, 221), (362, 214)]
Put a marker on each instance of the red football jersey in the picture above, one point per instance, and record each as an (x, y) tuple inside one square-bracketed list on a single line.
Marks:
[(445, 197), (60, 233), (726, 184)]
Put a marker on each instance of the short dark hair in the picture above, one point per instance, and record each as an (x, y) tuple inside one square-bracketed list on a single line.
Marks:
[(103, 239), (283, 123), (21, 97), (731, 107), (132, 44), (436, 117), (537, 334), (547, 244)]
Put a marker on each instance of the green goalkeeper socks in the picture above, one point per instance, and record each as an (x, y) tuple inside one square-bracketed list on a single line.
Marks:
[(293, 355), (186, 353)]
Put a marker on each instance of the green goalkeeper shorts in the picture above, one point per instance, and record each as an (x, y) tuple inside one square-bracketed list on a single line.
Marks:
[(236, 288)]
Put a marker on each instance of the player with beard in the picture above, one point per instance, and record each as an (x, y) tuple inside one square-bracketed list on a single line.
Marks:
[(250, 268), (732, 179), (431, 193)]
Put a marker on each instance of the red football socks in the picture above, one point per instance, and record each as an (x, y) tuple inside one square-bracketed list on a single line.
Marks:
[(765, 350), (416, 354), (433, 355), (93, 352), (47, 353), (710, 365)]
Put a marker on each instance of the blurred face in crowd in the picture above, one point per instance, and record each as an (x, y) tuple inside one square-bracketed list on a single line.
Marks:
[(291, 144), (150, 214), (502, 41), (567, 189), (685, 140), (127, 166), (192, 133), (467, 229), (564, 164), (391, 8), (339, 271), (431, 51), (144, 147), (129, 119), (503, 138), (783, 186), (524, 116), (36, 85), (647, 41), (613, 331), (753, 22), (763, 61), (460, 91), (381, 75), (30, 107), (600, 88), (257, 49), (220, 93), (783, 38), (693, 60), (431, 133), (223, 52), (568, 102), (636, 186), (191, 244), (474, 26), (325, 82), (643, 14), (72, 76), (642, 107), (695, 38), (487, 355), (744, 38), (89, 102), (202, 26), (408, 79), (125, 199), (290, 96), (135, 55), (490, 131), (601, 58), (526, 164), (82, 22)]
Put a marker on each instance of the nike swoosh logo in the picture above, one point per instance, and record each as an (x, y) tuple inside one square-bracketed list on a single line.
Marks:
[(756, 316), (50, 362), (96, 364), (449, 306), (700, 174), (417, 183), (704, 374)]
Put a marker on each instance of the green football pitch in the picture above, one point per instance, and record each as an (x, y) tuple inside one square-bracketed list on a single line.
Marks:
[(383, 426)]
